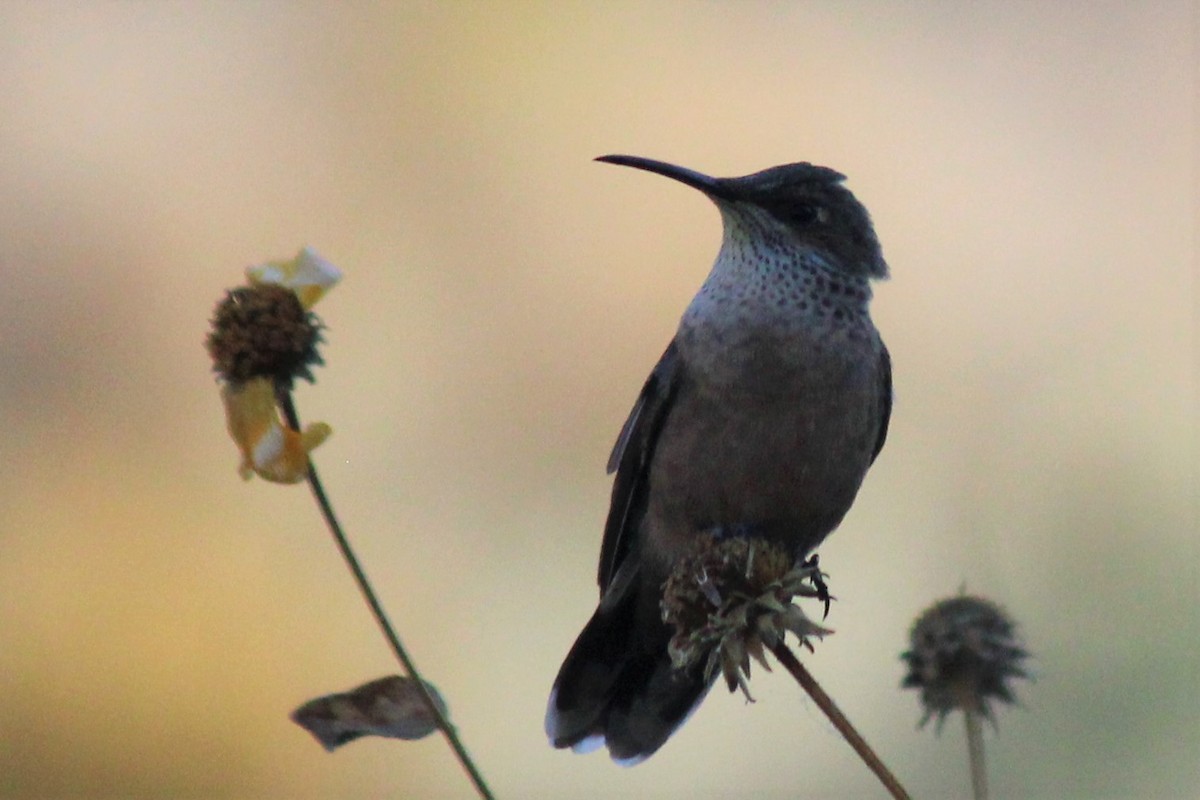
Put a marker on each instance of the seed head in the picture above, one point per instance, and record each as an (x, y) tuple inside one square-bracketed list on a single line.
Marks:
[(963, 653), (732, 597), (263, 331)]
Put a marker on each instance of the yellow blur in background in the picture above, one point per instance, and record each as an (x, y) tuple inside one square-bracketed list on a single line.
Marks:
[(1032, 171)]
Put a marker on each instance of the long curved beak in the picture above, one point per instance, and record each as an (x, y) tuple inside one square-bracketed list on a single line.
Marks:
[(713, 187)]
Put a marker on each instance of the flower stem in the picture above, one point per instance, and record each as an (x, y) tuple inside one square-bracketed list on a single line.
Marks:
[(975, 753), (826, 704), (368, 593)]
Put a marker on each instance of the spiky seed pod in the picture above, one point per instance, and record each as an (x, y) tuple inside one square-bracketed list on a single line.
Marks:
[(962, 655), (262, 330), (732, 597)]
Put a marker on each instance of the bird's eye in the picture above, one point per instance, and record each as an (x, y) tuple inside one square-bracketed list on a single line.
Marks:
[(804, 213)]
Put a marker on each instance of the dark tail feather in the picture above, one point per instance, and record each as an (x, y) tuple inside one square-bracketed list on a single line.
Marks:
[(617, 686)]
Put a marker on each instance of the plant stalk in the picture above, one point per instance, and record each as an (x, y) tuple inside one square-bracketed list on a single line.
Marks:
[(835, 715), (979, 786), (389, 632)]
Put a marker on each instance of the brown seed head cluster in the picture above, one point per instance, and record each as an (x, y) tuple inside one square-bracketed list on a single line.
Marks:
[(731, 598), (260, 331), (963, 653)]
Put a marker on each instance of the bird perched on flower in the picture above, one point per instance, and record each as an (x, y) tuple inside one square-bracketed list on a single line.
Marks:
[(759, 421)]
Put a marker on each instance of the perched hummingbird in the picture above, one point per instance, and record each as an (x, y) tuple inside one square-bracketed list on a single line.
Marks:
[(761, 418)]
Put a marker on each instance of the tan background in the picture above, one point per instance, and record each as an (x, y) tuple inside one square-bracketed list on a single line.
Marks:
[(1032, 171)]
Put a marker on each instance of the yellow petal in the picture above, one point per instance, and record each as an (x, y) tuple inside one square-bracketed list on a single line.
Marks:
[(269, 448), (308, 275)]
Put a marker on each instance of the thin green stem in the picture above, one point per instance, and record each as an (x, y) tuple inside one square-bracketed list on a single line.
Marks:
[(975, 753), (368, 593), (826, 704)]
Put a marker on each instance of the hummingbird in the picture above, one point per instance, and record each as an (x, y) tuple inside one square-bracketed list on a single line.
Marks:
[(760, 419)]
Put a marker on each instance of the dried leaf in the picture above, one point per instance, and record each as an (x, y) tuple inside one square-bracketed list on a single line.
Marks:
[(391, 707)]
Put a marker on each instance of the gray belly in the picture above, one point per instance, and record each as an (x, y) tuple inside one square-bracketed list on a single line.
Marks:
[(784, 467)]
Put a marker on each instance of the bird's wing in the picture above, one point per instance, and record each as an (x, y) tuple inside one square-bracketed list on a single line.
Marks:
[(630, 459), (885, 401)]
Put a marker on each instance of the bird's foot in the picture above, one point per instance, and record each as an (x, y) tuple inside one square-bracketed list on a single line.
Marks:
[(823, 595)]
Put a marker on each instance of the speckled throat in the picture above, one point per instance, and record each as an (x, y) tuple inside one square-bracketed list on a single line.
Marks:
[(774, 310)]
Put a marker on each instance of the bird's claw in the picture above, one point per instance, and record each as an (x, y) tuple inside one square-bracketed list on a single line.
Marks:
[(822, 588)]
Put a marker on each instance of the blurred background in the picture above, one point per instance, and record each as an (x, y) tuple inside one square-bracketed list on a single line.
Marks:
[(1032, 171)]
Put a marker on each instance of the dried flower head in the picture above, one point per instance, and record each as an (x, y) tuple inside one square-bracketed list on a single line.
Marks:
[(963, 652), (266, 329), (731, 598), (262, 331), (263, 337)]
